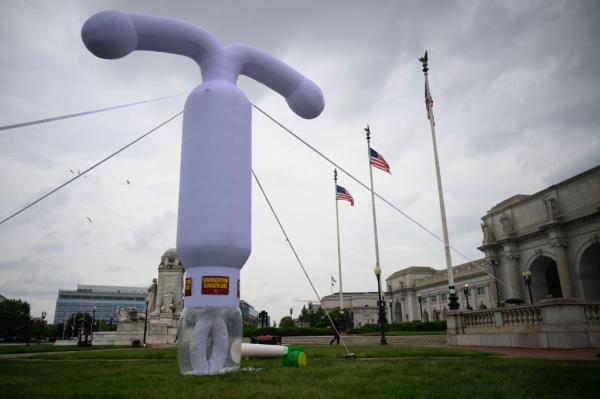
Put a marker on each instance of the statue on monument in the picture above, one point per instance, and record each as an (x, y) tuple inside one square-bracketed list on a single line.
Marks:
[(151, 296), (168, 305), (552, 211), (488, 235), (507, 227)]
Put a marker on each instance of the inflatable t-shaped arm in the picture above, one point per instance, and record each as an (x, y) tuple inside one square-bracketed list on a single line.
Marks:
[(113, 34)]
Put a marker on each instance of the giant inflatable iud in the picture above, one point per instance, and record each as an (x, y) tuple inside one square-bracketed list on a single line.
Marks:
[(213, 225)]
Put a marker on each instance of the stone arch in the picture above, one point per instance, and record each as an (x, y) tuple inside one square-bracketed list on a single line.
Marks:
[(544, 278), (425, 316), (588, 264), (398, 312)]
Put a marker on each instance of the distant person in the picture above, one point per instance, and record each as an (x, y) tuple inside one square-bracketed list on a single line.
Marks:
[(336, 333)]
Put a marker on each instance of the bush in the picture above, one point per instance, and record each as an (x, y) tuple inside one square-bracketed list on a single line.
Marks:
[(250, 331), (408, 326)]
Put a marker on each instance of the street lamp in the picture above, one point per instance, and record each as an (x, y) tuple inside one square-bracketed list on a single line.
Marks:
[(380, 304), (64, 324), (527, 278), (43, 324), (146, 321), (466, 291), (82, 331), (494, 264), (73, 325), (93, 319)]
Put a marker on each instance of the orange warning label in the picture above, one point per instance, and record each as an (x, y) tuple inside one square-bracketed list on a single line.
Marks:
[(215, 285)]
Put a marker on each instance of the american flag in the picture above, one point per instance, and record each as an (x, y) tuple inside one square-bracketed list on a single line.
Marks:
[(343, 194), (429, 103), (377, 160)]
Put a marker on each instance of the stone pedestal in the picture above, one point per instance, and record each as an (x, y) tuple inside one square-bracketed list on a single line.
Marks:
[(166, 295)]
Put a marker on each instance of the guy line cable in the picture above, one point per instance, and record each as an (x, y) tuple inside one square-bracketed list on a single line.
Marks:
[(52, 119), (368, 189), (94, 111), (348, 353), (90, 168)]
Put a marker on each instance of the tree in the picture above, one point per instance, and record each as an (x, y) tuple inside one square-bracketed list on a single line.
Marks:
[(287, 322), (316, 318), (74, 324), (304, 315), (14, 319)]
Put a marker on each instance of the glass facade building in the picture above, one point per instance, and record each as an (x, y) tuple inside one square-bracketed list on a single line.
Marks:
[(249, 314), (106, 298)]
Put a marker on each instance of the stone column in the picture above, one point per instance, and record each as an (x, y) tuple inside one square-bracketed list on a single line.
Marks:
[(562, 265)]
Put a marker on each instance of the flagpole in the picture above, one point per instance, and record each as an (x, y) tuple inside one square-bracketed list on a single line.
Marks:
[(382, 341), (453, 305), (337, 220)]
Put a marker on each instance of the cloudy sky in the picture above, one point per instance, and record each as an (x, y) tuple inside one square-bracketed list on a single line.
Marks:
[(516, 92)]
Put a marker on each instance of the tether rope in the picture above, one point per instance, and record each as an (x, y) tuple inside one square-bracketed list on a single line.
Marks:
[(350, 175), (287, 238), (94, 111), (90, 168)]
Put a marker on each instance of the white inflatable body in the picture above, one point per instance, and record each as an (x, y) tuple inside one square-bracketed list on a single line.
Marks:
[(213, 225)]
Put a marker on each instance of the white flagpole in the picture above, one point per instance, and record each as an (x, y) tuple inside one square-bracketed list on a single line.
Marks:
[(453, 305), (337, 219), (382, 340), (372, 196)]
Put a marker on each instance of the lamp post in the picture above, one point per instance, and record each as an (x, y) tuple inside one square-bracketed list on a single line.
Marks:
[(527, 278), (82, 331), (146, 321), (93, 320), (380, 304), (495, 267), (466, 291), (73, 325), (420, 299), (64, 324), (44, 324), (291, 311)]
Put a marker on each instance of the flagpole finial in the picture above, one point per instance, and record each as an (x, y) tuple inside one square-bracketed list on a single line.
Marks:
[(368, 132), (425, 61)]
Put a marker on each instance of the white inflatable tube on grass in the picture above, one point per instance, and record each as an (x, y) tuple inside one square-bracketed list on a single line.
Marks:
[(260, 350)]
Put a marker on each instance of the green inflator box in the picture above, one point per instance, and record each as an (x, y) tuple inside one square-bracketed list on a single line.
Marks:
[(295, 357)]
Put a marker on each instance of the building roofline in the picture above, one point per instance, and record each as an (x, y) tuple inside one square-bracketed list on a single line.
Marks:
[(498, 209)]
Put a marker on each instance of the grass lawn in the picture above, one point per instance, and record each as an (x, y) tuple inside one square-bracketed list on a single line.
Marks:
[(377, 372), (34, 348)]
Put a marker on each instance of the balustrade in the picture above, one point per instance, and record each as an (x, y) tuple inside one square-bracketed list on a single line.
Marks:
[(592, 313)]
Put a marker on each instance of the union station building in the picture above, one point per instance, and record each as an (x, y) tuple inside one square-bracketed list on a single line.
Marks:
[(551, 237)]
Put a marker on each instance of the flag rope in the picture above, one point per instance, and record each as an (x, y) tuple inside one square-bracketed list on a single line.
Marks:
[(287, 238)]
